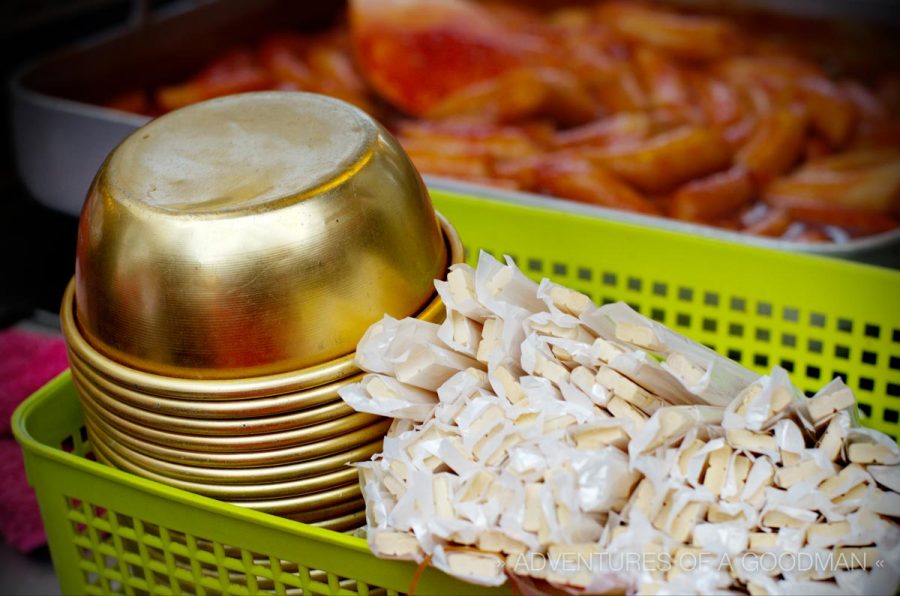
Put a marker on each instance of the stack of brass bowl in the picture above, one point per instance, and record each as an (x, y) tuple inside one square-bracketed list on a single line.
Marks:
[(230, 256)]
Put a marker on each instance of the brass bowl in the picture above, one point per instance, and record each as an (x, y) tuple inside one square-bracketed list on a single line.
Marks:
[(227, 389), (293, 505), (252, 235), (240, 459), (239, 492), (308, 400), (225, 443), (345, 523), (223, 435), (330, 513), (331, 496), (254, 475)]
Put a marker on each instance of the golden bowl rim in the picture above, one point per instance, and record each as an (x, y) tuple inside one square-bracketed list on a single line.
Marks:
[(345, 523), (240, 492), (326, 512), (340, 494), (261, 474), (229, 444), (297, 453), (218, 409), (289, 504), (331, 418)]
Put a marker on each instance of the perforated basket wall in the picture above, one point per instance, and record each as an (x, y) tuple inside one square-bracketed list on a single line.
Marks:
[(111, 532), (818, 318)]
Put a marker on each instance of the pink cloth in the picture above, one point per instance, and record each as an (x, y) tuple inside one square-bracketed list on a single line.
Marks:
[(20, 518), (27, 361)]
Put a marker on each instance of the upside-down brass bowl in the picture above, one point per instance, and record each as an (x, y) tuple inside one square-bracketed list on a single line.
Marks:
[(252, 235)]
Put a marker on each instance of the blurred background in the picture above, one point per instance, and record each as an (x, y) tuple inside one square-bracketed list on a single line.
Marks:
[(82, 74), (39, 242)]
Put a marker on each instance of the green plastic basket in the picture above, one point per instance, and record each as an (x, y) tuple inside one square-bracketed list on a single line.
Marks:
[(114, 532)]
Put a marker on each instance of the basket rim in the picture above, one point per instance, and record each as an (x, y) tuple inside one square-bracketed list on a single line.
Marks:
[(683, 238)]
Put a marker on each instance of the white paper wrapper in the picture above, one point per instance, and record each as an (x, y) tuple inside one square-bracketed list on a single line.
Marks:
[(517, 432), (668, 425), (385, 343), (393, 544), (560, 299), (538, 360), (527, 462), (479, 417), (501, 340), (503, 287), (887, 476), (880, 580), (762, 403), (586, 381), (429, 366), (379, 502), (505, 383), (462, 385), (571, 353), (573, 395), (417, 447), (558, 325), (721, 378), (458, 293), (761, 476), (789, 438), (386, 396), (604, 478), (644, 370), (460, 333), (833, 439), (833, 397), (869, 446), (485, 569), (726, 538)]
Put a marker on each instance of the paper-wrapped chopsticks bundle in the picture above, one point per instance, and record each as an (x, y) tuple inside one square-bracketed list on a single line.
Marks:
[(541, 437)]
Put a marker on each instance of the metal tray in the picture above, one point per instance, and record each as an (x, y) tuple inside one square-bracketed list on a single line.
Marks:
[(61, 138)]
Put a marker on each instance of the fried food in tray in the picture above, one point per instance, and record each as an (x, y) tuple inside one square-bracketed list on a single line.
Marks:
[(720, 120)]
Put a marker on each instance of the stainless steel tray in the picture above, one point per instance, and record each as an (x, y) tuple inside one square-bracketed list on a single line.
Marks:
[(60, 143)]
